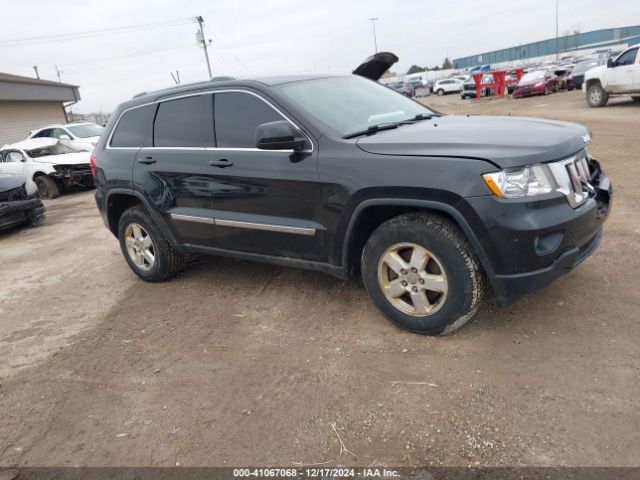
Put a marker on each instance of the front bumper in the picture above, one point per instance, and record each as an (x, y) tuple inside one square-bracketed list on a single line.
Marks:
[(531, 243), (16, 212)]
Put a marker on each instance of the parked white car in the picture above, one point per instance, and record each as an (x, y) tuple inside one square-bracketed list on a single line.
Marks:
[(619, 77), (49, 165), (447, 85), (82, 135)]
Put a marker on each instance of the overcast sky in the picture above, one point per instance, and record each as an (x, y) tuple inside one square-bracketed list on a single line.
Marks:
[(253, 38)]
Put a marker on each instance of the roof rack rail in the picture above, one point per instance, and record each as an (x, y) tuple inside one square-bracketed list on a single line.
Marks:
[(141, 94)]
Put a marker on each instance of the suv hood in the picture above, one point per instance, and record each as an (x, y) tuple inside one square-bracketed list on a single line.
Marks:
[(77, 158), (9, 181), (505, 141), (375, 66)]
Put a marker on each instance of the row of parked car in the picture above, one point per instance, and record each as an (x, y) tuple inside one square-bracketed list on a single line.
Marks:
[(52, 159), (602, 74)]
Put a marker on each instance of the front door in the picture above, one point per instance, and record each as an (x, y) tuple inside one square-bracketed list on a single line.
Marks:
[(621, 76), (218, 191)]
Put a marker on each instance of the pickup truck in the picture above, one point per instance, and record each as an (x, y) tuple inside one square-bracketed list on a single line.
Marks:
[(343, 175), (620, 76)]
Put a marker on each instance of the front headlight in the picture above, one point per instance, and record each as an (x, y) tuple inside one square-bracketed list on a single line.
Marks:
[(529, 181)]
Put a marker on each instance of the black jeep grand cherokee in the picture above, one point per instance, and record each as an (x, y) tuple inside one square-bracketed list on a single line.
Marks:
[(341, 174)]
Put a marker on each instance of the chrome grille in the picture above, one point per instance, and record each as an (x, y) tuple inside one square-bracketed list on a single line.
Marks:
[(574, 178)]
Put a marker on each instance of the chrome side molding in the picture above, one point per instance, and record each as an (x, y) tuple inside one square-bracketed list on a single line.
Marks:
[(249, 225)]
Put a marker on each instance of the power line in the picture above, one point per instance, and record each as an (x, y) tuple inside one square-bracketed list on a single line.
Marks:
[(231, 53), (148, 52), (92, 33)]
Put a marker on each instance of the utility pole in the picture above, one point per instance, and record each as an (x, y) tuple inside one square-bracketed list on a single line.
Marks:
[(375, 40), (556, 29), (35, 67), (58, 72), (204, 44)]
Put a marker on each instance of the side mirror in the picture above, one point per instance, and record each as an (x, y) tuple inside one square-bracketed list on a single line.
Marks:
[(64, 137), (279, 135), (610, 63)]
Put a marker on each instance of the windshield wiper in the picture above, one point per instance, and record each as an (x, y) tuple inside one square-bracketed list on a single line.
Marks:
[(418, 117), (373, 129)]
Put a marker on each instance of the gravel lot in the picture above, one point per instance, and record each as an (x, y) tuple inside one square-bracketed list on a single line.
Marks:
[(236, 363)]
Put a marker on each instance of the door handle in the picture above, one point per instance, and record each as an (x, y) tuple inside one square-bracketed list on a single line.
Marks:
[(146, 160), (222, 163)]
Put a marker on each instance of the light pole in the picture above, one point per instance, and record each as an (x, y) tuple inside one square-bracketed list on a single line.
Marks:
[(375, 40), (556, 29)]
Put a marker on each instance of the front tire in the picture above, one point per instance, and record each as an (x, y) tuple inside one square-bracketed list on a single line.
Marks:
[(47, 187), (596, 96), (420, 271), (145, 248)]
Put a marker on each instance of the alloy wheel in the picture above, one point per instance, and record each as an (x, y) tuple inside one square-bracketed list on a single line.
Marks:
[(412, 279), (139, 246)]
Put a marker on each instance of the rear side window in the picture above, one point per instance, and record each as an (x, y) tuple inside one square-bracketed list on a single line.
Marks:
[(131, 131), (236, 117), (179, 122), (43, 133)]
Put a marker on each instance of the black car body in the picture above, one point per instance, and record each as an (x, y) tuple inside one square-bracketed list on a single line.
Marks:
[(16, 207), (269, 170), (577, 75)]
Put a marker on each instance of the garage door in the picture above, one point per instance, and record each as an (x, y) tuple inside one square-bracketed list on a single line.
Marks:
[(17, 119)]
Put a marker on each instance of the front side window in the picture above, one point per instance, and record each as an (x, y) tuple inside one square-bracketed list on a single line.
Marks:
[(351, 104), (58, 132), (14, 156), (236, 116), (628, 57), (132, 128), (179, 122)]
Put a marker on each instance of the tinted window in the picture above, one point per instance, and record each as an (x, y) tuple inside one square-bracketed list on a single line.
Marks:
[(628, 58), (43, 133), (236, 117), (132, 128), (179, 123)]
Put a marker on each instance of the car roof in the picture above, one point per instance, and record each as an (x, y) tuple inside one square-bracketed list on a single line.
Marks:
[(268, 81)]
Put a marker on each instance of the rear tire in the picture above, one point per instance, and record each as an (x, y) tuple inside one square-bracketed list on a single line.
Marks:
[(596, 96), (438, 297), (166, 261), (440, 92), (47, 187)]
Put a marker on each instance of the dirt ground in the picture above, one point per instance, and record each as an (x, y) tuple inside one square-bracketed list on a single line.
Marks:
[(237, 363)]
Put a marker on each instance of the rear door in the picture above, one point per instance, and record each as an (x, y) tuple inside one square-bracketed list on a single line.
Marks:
[(218, 191)]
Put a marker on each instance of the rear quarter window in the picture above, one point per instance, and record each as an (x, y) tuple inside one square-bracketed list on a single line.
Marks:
[(133, 127)]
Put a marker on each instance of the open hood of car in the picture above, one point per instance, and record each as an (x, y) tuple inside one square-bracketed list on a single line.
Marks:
[(505, 141), (78, 158), (375, 66)]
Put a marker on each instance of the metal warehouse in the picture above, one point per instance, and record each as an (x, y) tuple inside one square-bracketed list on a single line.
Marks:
[(569, 44), (27, 103)]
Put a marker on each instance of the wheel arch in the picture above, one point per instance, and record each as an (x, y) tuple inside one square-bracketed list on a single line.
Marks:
[(371, 213), (120, 200)]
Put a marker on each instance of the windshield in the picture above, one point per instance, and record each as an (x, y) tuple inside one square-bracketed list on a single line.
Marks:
[(57, 149), (532, 76), (85, 131), (351, 104)]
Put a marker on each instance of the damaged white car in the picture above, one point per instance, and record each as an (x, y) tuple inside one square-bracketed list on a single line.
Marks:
[(50, 165), (81, 135)]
